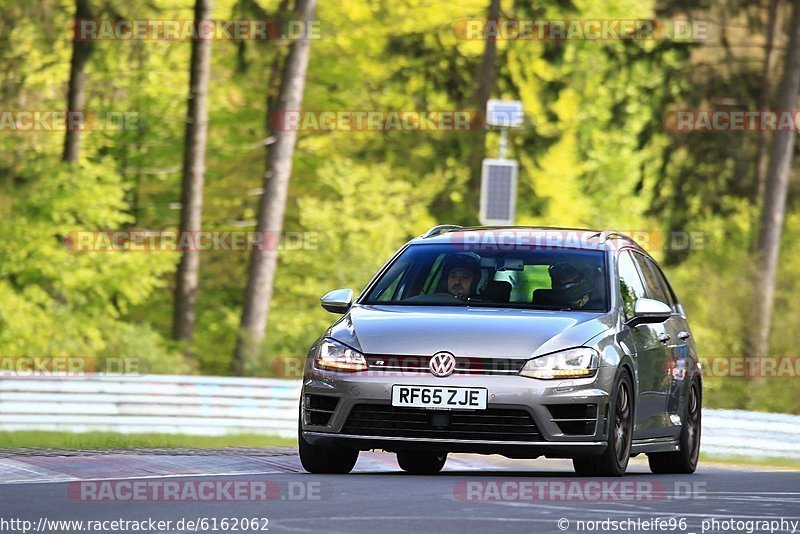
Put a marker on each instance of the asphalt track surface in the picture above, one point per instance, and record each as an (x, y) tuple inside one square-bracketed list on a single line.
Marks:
[(472, 494)]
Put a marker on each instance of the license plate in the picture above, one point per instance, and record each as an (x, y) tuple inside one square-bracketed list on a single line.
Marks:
[(450, 398)]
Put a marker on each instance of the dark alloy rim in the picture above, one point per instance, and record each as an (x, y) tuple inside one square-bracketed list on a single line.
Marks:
[(693, 422), (622, 424)]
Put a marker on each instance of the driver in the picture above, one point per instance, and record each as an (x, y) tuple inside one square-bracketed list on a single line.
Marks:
[(570, 286), (462, 273)]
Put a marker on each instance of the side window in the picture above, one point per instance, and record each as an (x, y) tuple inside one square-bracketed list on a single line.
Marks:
[(630, 285), (670, 296), (653, 286), (673, 298)]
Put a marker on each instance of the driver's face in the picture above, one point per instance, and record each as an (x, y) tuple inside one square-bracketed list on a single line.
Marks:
[(459, 281)]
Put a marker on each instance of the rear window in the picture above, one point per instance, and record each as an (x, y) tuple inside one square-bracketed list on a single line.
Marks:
[(437, 274)]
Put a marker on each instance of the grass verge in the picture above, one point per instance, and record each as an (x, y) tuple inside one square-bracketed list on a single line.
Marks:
[(110, 440), (749, 460)]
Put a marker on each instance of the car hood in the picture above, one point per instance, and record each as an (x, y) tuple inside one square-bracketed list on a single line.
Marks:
[(465, 331)]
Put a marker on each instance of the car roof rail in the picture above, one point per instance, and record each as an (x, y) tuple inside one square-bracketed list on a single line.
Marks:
[(440, 229), (605, 235)]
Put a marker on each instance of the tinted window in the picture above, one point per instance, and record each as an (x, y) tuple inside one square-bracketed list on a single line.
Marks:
[(630, 285), (673, 300), (391, 282), (454, 274), (653, 286), (668, 294)]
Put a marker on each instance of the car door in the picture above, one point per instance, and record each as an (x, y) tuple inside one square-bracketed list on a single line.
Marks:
[(648, 345), (655, 289), (683, 352)]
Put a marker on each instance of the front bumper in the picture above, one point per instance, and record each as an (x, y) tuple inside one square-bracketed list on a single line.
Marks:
[(548, 403)]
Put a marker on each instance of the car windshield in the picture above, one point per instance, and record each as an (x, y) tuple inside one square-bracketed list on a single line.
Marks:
[(450, 275)]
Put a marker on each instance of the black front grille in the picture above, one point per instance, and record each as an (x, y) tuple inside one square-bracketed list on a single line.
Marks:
[(320, 408), (493, 424), (575, 419), (464, 364)]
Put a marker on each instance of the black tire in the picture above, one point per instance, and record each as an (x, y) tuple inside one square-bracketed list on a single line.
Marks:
[(614, 461), (684, 461), (421, 462), (323, 460)]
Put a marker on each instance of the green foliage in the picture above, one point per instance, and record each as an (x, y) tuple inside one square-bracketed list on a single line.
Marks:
[(714, 285), (62, 301)]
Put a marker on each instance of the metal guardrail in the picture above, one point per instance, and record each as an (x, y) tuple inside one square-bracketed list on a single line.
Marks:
[(743, 433), (212, 406), (199, 405)]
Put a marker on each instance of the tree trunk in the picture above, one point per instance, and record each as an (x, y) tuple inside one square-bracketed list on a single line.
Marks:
[(194, 154), (776, 186), (764, 99), (261, 275), (275, 71), (77, 77), (487, 81)]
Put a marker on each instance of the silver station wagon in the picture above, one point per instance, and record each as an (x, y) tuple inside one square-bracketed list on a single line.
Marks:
[(524, 342)]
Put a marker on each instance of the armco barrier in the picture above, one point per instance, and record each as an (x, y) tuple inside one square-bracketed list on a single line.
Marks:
[(200, 405), (211, 406), (743, 433)]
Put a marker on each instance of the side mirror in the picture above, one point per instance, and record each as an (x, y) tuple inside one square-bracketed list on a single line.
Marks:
[(649, 311), (337, 301)]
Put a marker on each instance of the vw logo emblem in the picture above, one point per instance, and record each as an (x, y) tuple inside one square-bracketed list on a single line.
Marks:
[(442, 364)]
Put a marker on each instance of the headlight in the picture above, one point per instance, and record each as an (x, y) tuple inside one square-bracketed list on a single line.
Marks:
[(338, 357), (571, 363)]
